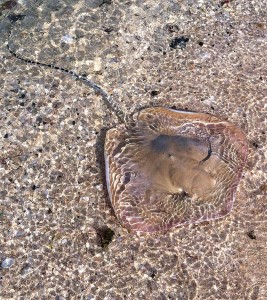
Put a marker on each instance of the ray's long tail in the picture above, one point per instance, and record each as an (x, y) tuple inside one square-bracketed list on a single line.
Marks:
[(108, 100)]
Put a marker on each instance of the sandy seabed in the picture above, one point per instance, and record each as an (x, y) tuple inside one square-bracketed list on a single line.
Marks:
[(59, 237)]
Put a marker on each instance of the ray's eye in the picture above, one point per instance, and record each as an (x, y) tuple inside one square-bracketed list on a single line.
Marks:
[(127, 177)]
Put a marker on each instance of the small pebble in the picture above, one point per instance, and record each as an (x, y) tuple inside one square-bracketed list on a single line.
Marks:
[(68, 39), (7, 263), (97, 64)]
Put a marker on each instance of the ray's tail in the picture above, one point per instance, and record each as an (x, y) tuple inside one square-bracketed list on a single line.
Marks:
[(108, 100)]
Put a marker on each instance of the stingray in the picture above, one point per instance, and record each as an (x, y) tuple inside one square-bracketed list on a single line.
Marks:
[(166, 168)]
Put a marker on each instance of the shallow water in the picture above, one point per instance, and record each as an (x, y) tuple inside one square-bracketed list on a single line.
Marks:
[(53, 187)]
